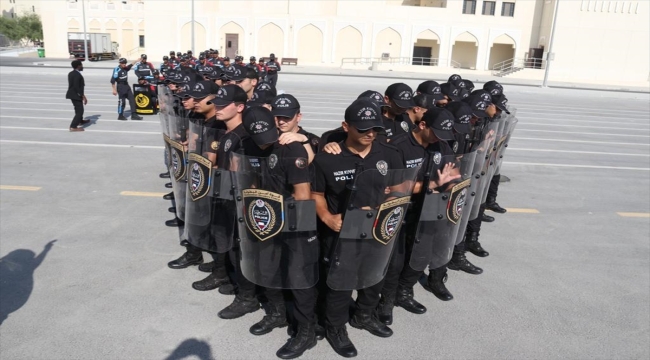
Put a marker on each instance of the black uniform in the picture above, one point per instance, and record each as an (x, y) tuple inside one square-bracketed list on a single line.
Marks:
[(272, 68), (121, 78), (332, 173), (314, 141), (400, 125)]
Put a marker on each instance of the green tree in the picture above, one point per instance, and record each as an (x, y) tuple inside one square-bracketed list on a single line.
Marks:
[(24, 28)]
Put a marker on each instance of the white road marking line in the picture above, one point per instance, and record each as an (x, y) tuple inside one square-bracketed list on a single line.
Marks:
[(577, 152), (582, 133), (580, 141), (82, 144), (581, 126), (577, 166), (103, 131), (47, 118)]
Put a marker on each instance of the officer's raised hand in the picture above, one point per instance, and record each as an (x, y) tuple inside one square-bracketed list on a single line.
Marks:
[(447, 174)]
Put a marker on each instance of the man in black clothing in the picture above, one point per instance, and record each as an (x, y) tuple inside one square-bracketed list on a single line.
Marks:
[(121, 88), (286, 110), (75, 93), (272, 68), (399, 97)]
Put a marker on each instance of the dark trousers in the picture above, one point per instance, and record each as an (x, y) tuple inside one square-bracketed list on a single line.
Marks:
[(219, 260), (409, 277), (246, 288), (123, 93), (493, 189), (304, 302), (396, 266), (337, 303), (475, 225), (272, 79), (78, 113)]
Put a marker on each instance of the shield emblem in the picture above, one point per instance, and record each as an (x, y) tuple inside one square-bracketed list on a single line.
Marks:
[(177, 160), (199, 176), (263, 213), (389, 219), (457, 201), (167, 151)]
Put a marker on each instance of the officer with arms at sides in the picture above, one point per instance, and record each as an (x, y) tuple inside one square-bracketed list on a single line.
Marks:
[(142, 66), (362, 123), (121, 88), (399, 97), (75, 93), (272, 68)]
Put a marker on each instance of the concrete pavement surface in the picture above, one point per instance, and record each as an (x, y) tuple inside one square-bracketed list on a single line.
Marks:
[(568, 276)]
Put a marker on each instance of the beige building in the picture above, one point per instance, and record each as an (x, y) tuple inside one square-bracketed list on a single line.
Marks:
[(595, 41), (13, 8)]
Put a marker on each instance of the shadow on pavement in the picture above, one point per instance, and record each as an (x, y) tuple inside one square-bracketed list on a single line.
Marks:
[(17, 278), (192, 347), (93, 120)]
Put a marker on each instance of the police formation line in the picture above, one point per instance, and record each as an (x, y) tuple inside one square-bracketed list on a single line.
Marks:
[(401, 186), (143, 98)]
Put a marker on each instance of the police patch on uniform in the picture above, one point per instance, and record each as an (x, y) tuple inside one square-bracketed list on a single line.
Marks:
[(455, 148), (405, 126), (437, 157), (227, 145), (457, 201), (314, 141), (214, 145), (301, 163), (382, 166), (273, 160), (389, 219), (264, 215)]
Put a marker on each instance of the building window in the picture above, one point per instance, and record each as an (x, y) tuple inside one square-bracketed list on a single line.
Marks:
[(488, 7), (110, 6), (508, 9), (141, 37), (94, 5), (72, 5), (469, 7), (126, 6)]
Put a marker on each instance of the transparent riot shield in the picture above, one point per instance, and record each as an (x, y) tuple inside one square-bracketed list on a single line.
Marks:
[(441, 213), (279, 247), (486, 150), (480, 151), (209, 205), (491, 167), (178, 128), (378, 201), (512, 124), (164, 99)]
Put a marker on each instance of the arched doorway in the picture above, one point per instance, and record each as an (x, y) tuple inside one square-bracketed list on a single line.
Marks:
[(503, 48), (310, 45), (270, 39), (426, 47), (465, 50), (94, 26), (349, 44), (111, 28), (389, 42), (199, 37), (231, 40), (73, 26)]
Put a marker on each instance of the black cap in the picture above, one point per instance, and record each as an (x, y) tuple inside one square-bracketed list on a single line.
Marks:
[(478, 105), (178, 53), (226, 58), (401, 94), (484, 95), (144, 56), (363, 114), (203, 88), (122, 61), (431, 88), (261, 97), (462, 116), (215, 74), (375, 97), (266, 86), (454, 77), (441, 122), (272, 56), (184, 90), (501, 102), (452, 92), (424, 101), (285, 105), (189, 51), (252, 58), (165, 57), (493, 87), (229, 94), (260, 125), (468, 85), (201, 57), (172, 52)]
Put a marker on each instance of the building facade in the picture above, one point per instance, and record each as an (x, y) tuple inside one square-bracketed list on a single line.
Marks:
[(595, 41)]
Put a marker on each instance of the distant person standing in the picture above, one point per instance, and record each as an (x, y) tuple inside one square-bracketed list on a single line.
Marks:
[(272, 68), (75, 93), (121, 88)]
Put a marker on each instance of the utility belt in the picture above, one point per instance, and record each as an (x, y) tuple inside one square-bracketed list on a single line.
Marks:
[(122, 83)]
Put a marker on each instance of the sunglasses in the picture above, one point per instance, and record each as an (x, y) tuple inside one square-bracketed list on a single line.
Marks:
[(375, 129)]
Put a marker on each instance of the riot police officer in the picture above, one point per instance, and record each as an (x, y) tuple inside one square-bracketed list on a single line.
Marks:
[(286, 110), (121, 88), (399, 97), (272, 69), (144, 68)]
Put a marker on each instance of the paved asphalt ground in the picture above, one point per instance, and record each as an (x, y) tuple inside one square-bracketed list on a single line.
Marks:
[(568, 276)]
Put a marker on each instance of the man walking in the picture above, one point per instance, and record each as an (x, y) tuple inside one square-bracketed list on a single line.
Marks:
[(75, 93)]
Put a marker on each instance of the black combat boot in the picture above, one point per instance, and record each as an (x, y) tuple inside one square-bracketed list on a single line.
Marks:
[(436, 284), (318, 329), (275, 318), (487, 218), (136, 117), (364, 320), (189, 258), (460, 262), (491, 204), (207, 267), (385, 308), (121, 117), (304, 340), (340, 342), (472, 245), (241, 306), (164, 175), (404, 299), (211, 282), (169, 196)]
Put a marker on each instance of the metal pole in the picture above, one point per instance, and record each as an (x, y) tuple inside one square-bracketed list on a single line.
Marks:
[(193, 28), (550, 55), (83, 11)]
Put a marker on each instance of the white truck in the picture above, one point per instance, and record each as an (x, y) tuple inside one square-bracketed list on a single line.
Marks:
[(100, 46)]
